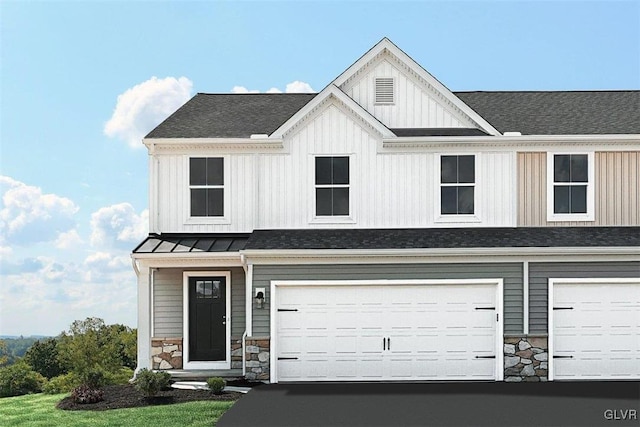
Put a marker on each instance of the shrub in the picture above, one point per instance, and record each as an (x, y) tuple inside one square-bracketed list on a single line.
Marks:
[(19, 379), (86, 394), (123, 376), (62, 384), (216, 384), (150, 383)]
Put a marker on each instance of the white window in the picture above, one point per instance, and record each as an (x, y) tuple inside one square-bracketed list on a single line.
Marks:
[(570, 179), (206, 186), (332, 186), (457, 185), (385, 90)]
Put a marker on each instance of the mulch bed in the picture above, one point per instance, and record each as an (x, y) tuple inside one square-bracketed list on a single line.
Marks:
[(126, 396)]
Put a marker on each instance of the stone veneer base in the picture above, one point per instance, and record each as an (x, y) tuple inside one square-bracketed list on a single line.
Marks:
[(166, 353), (257, 358), (526, 358)]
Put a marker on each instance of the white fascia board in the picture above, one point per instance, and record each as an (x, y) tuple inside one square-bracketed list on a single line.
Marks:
[(559, 254), (327, 92), (153, 144), (189, 259), (387, 44)]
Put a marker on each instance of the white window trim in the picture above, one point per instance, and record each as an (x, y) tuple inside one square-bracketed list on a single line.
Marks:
[(457, 218), (337, 219), (590, 215), (222, 364), (375, 92), (226, 218), (499, 283)]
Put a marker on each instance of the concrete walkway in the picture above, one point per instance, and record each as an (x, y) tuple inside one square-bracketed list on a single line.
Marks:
[(438, 404)]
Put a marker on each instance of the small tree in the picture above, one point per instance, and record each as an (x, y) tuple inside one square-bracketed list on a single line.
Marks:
[(87, 348), (42, 356)]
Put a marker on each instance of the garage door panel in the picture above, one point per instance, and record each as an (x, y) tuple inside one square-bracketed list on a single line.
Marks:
[(598, 325), (434, 332)]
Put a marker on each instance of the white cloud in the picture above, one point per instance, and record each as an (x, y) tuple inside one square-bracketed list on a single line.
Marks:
[(299, 87), (29, 216), (242, 89), (293, 87), (142, 107), (68, 239), (118, 225)]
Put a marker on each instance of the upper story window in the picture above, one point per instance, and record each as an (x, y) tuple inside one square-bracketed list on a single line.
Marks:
[(384, 90), (206, 184), (570, 192), (332, 186), (457, 185)]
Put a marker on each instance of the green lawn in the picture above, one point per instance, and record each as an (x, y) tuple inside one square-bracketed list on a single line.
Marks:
[(40, 410)]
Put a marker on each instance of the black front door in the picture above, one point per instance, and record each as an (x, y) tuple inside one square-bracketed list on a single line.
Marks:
[(207, 318)]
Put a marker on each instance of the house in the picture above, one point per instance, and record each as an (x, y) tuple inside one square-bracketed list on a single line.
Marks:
[(387, 228)]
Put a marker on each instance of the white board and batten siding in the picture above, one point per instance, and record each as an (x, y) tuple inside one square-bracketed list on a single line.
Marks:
[(414, 105), (387, 189), (594, 327)]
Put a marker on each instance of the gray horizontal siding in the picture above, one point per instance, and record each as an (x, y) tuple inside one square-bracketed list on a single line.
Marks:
[(167, 302), (510, 272), (539, 274)]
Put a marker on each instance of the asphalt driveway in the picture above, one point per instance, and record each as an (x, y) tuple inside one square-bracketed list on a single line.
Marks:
[(438, 404)]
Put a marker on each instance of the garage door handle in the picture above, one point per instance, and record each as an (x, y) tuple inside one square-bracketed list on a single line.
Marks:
[(485, 308), (485, 357), (563, 357), (388, 343), (287, 358), (563, 308), (287, 309)]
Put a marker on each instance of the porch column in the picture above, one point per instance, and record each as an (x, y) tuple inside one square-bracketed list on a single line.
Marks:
[(144, 318)]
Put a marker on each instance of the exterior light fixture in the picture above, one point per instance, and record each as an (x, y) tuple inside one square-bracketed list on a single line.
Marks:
[(260, 297)]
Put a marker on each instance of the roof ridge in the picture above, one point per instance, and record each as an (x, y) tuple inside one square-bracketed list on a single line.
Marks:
[(256, 93), (550, 91)]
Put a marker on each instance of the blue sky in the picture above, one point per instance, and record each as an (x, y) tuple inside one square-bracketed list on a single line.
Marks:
[(82, 82)]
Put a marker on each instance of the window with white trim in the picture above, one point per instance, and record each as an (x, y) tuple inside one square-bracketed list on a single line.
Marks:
[(570, 192), (332, 186), (457, 185), (206, 186)]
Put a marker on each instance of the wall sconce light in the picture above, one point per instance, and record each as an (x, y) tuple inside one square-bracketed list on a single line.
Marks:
[(260, 297)]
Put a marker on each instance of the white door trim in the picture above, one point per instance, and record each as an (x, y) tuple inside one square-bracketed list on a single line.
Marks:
[(221, 364), (576, 281), (275, 284)]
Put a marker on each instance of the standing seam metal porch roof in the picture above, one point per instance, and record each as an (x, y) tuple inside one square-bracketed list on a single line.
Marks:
[(528, 112)]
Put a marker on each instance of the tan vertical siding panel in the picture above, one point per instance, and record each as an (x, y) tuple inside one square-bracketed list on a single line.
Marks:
[(616, 191)]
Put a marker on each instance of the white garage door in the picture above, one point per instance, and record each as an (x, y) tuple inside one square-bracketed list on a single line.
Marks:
[(395, 331), (595, 326)]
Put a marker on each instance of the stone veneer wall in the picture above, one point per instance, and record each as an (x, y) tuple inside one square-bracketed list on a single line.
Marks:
[(166, 353), (257, 358), (525, 358)]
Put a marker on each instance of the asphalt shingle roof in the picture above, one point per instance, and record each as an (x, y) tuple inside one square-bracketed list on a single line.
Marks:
[(230, 115), (558, 113), (426, 238), (531, 113)]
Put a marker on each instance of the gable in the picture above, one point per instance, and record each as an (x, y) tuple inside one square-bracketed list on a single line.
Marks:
[(419, 100)]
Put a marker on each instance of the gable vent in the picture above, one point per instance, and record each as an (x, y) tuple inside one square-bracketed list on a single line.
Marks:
[(384, 90)]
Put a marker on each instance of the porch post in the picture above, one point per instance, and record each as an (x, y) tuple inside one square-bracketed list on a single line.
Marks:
[(144, 318)]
